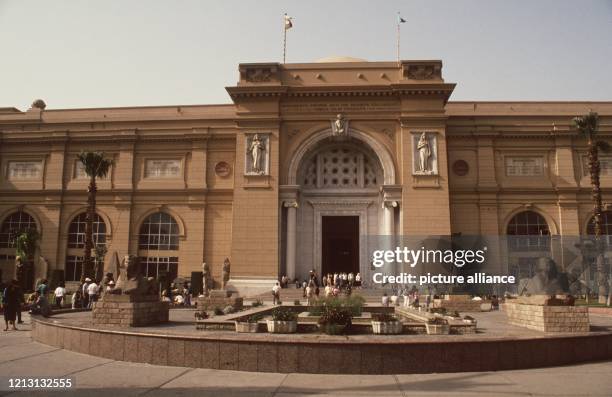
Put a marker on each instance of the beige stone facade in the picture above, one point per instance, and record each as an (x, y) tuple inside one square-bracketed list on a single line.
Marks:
[(266, 206)]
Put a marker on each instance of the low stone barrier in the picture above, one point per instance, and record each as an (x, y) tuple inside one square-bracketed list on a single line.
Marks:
[(548, 318), (331, 355)]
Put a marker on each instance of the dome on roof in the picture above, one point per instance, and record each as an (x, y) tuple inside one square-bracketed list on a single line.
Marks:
[(339, 59)]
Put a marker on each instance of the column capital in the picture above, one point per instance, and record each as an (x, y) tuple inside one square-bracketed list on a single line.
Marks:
[(290, 204)]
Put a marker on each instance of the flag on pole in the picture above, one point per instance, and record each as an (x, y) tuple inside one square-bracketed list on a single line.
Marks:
[(400, 20), (288, 22)]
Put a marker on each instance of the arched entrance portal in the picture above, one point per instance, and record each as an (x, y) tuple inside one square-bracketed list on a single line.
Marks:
[(338, 197)]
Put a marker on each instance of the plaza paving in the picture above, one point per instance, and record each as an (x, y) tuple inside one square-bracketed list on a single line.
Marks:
[(94, 376)]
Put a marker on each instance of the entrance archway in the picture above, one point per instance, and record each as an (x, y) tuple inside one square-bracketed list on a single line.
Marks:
[(336, 204)]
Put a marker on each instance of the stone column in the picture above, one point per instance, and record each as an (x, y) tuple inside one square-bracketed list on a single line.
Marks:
[(389, 218), (291, 237)]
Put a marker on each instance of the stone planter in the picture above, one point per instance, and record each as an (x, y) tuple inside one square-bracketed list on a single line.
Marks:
[(332, 329), (246, 327), (437, 329), (387, 328), (281, 327)]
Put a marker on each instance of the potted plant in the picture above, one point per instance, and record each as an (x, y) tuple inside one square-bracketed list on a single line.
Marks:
[(249, 324), (437, 326), (334, 320), (284, 321), (386, 324)]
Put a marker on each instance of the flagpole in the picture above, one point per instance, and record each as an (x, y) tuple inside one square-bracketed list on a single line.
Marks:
[(284, 37), (398, 37)]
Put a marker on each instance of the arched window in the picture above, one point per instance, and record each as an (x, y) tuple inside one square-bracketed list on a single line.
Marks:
[(533, 231), (76, 232), (159, 232), (76, 243), (606, 224), (14, 224)]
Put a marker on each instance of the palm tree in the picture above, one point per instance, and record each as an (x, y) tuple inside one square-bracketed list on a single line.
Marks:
[(25, 249), (588, 126), (96, 166)]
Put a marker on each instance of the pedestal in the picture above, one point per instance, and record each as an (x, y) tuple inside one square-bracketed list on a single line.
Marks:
[(220, 299), (130, 311), (548, 318)]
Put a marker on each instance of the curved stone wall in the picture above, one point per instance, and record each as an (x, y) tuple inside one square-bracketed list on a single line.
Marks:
[(365, 356)]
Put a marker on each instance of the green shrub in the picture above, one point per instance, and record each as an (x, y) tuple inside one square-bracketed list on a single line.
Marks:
[(283, 314), (353, 303), (336, 315), (257, 303), (253, 318), (218, 311), (297, 302), (440, 310), (228, 310), (437, 321)]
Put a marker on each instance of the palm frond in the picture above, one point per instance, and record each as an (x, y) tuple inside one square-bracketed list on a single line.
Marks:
[(587, 124), (95, 164)]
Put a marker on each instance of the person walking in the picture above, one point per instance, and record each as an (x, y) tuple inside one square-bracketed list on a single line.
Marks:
[(84, 293), (76, 298), (10, 304), (92, 292), (276, 294), (21, 301), (59, 293), (385, 300)]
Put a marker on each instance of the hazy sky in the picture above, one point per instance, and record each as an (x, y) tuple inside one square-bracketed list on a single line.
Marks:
[(83, 53)]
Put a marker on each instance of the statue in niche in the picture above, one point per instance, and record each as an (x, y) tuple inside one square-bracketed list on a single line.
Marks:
[(257, 149), (226, 272), (424, 152), (339, 126)]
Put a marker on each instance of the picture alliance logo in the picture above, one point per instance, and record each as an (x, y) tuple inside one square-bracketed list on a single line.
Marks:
[(411, 257)]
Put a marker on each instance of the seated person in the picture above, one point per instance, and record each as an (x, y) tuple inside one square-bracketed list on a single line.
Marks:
[(40, 305)]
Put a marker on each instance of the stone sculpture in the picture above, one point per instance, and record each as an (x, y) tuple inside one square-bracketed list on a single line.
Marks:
[(424, 153), (257, 149), (131, 281), (226, 272), (339, 126), (206, 278), (546, 281)]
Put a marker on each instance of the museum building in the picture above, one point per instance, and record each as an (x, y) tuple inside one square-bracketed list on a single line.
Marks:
[(307, 160)]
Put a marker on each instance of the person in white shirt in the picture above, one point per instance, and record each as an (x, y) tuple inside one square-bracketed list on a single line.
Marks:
[(385, 300), (60, 292), (109, 287), (92, 291), (276, 294)]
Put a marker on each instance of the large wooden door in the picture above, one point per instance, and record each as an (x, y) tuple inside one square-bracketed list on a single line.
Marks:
[(340, 244)]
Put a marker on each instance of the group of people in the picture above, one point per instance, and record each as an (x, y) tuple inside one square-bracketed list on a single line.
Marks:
[(178, 295), (13, 301), (409, 298), (89, 292), (343, 280)]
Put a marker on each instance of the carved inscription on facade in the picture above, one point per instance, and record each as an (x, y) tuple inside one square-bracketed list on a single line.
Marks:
[(340, 107)]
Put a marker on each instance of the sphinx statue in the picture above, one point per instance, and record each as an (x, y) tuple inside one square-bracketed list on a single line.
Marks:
[(131, 281)]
